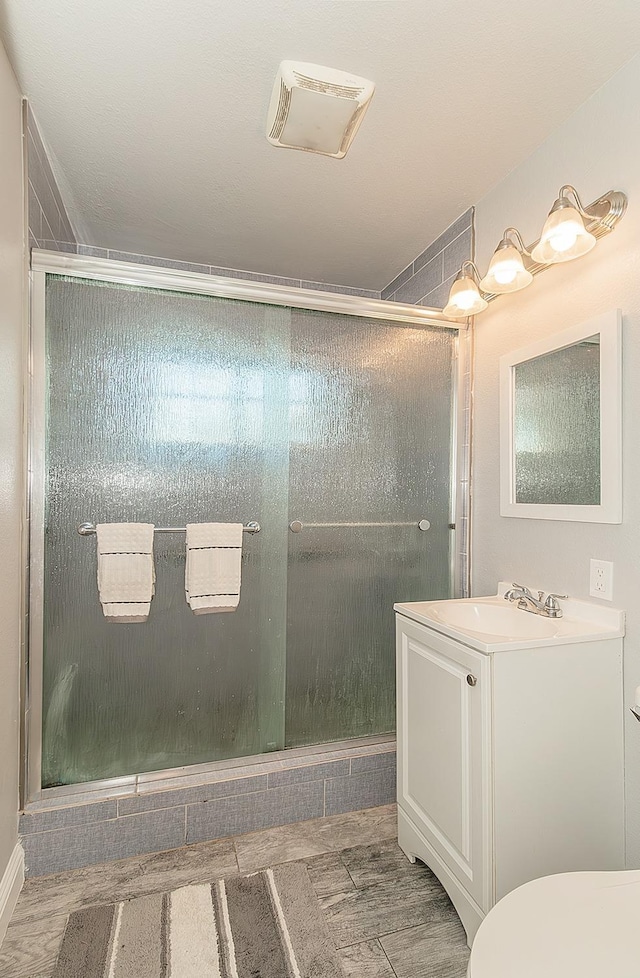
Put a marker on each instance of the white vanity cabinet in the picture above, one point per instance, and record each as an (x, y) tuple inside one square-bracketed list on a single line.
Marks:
[(510, 754)]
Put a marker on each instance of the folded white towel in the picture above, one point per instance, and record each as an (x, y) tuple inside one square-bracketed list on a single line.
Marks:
[(126, 575), (125, 538), (123, 613), (212, 575), (214, 535)]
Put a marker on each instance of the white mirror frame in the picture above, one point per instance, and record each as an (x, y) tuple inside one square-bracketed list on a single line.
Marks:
[(609, 326)]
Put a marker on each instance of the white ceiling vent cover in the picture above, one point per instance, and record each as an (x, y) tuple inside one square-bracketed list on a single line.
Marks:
[(316, 109)]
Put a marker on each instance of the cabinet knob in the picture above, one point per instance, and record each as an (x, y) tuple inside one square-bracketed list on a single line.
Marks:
[(471, 680)]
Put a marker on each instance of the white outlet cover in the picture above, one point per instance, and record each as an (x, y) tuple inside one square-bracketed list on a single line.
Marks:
[(601, 579)]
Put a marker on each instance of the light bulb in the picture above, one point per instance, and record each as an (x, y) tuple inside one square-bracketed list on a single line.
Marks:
[(564, 236), (464, 298), (505, 272), (467, 299)]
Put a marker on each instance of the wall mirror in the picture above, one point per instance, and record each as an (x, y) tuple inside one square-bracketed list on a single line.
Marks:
[(560, 425)]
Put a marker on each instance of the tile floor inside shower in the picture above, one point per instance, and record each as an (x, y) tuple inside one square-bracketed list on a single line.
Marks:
[(389, 918)]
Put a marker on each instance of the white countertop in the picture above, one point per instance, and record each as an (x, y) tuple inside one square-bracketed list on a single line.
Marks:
[(582, 621)]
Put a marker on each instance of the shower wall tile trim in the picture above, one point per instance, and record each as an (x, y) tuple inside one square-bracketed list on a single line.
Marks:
[(49, 223), (266, 795)]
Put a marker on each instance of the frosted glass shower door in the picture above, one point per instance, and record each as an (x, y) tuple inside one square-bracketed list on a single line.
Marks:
[(371, 442), (165, 408)]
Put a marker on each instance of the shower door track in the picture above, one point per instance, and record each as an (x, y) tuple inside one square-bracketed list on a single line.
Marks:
[(194, 775), (149, 276)]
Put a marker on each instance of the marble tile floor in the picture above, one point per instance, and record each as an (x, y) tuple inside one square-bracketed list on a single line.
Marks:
[(389, 918)]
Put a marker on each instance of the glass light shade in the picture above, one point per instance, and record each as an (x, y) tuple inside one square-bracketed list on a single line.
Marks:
[(464, 299), (564, 237), (506, 271)]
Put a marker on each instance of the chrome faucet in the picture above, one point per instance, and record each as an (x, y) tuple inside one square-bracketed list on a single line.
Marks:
[(548, 607)]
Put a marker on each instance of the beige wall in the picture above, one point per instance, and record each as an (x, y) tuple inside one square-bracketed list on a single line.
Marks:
[(12, 284), (597, 149)]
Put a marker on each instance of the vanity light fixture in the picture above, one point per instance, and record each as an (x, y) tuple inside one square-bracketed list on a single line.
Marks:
[(464, 297), (564, 236), (569, 232), (506, 269)]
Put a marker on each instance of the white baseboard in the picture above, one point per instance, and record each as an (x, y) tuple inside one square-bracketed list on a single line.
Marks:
[(10, 886)]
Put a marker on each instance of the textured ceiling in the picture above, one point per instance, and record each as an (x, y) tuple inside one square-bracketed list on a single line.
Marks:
[(155, 113)]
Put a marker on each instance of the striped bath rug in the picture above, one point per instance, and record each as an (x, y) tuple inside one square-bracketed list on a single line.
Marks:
[(266, 925)]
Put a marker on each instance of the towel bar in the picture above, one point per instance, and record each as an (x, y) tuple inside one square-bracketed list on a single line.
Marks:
[(86, 529), (297, 526)]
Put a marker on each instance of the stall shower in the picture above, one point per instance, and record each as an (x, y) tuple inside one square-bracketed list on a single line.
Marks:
[(334, 432)]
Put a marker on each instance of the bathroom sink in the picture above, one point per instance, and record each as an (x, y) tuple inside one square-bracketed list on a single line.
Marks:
[(493, 619), (491, 624)]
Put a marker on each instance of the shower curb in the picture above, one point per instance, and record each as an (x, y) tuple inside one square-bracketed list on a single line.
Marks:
[(68, 831)]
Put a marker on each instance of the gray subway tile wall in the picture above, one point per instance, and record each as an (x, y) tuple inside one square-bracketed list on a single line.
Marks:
[(312, 772), (152, 800), (66, 818), (91, 251), (254, 276), (461, 224), (101, 842), (238, 815), (455, 253), (49, 223), (57, 839), (66, 246), (181, 266), (400, 280), (438, 297), (366, 790), (341, 289), (373, 762), (422, 281)]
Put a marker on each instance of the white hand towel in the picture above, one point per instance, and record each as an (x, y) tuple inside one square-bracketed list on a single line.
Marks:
[(212, 575), (126, 574), (125, 577)]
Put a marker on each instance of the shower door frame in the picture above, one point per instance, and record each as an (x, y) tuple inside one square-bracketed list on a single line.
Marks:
[(45, 263)]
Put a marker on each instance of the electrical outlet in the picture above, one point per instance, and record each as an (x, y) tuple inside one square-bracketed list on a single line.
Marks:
[(601, 579)]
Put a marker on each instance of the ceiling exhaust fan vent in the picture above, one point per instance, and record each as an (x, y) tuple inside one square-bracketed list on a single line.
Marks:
[(316, 109)]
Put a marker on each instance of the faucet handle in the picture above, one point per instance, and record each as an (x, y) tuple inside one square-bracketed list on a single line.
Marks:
[(551, 604), (521, 587)]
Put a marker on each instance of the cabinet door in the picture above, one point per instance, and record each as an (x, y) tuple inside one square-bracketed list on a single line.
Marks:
[(444, 704)]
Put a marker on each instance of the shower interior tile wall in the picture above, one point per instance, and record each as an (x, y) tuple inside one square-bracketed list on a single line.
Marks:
[(426, 280), (147, 817), (93, 252), (49, 224)]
